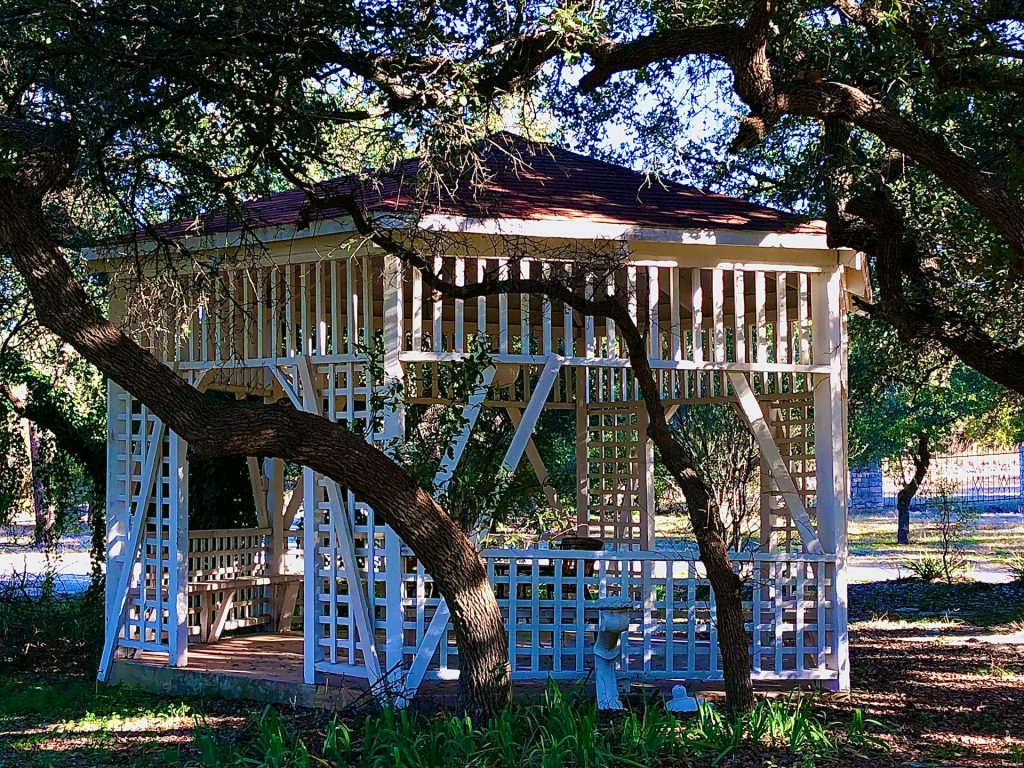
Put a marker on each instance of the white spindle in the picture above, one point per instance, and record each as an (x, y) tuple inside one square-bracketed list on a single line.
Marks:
[(524, 311), (740, 327), (503, 274), (761, 322), (803, 329), (653, 327), (460, 306), (718, 308)]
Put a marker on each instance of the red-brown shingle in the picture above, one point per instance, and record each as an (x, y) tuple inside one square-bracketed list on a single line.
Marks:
[(525, 180)]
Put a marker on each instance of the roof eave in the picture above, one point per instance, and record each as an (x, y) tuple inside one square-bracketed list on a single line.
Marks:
[(803, 237)]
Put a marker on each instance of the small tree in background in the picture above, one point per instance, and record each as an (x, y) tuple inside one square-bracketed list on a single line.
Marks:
[(909, 401), (725, 450), (954, 523)]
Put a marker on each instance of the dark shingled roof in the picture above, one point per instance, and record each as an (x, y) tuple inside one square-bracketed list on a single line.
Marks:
[(526, 180)]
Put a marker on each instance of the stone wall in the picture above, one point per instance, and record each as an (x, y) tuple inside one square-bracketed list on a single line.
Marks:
[(866, 487)]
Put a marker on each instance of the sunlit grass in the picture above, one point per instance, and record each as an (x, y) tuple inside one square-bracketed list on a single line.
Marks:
[(72, 721), (887, 623), (990, 545)]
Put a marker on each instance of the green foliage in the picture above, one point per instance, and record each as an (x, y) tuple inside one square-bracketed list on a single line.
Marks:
[(722, 446), (927, 568), (65, 399), (480, 491), (69, 720), (561, 729), (40, 632), (1015, 562), (899, 390), (955, 523)]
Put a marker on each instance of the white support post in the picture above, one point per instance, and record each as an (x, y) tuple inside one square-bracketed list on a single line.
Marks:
[(178, 570), (273, 470), (751, 410), (648, 522), (394, 428), (829, 450), (310, 639), (453, 455), (136, 525), (118, 504)]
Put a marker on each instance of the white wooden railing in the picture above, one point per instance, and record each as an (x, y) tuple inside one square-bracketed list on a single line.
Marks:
[(549, 601), (220, 555)]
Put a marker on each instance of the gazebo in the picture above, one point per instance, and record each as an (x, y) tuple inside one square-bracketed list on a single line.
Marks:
[(742, 304)]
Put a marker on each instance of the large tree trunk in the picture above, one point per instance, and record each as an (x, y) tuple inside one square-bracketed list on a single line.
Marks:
[(215, 427), (922, 458)]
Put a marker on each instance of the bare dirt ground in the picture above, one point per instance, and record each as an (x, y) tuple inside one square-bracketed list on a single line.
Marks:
[(942, 668)]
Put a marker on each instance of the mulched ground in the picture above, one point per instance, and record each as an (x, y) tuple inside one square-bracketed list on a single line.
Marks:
[(943, 668)]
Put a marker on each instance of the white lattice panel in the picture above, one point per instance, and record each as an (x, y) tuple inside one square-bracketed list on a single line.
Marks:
[(549, 599)]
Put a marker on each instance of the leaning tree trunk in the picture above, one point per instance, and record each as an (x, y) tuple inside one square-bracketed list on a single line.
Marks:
[(708, 529), (214, 427), (922, 459)]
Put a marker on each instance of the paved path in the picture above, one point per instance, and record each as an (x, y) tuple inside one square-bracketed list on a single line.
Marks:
[(69, 562), (863, 570)]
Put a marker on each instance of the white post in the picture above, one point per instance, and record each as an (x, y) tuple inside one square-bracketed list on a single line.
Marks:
[(310, 606), (393, 428), (118, 449), (829, 450), (648, 522), (178, 568), (273, 469)]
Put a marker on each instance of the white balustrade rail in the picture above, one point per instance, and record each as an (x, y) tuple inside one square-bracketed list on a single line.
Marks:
[(549, 600)]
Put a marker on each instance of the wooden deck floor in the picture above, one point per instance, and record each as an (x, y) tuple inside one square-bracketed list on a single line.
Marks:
[(274, 657), (268, 667), (261, 667)]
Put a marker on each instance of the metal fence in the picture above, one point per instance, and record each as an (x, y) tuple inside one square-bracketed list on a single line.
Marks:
[(966, 478)]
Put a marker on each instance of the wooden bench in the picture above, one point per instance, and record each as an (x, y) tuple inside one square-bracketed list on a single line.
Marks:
[(284, 591)]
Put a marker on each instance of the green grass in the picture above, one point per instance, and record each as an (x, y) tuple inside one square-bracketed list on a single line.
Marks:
[(71, 722), (989, 545), (562, 729)]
